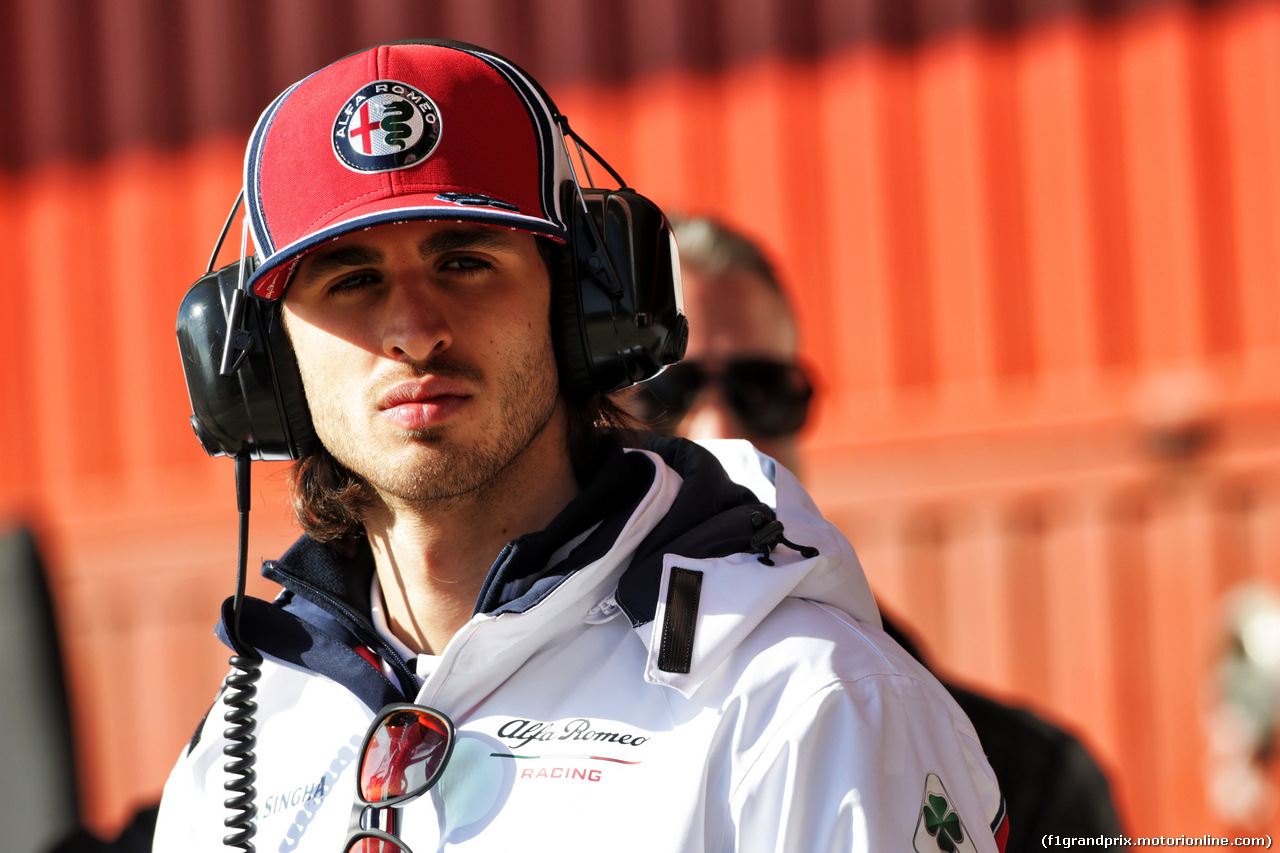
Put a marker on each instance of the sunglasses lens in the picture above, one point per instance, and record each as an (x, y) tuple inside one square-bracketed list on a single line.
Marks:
[(405, 754), (769, 397)]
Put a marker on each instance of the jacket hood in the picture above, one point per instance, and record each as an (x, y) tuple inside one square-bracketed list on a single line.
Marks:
[(835, 576), (735, 592)]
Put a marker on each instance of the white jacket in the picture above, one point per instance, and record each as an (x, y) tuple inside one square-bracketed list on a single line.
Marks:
[(798, 725)]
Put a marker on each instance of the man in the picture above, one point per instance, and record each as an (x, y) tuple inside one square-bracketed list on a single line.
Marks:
[(740, 379), (505, 628)]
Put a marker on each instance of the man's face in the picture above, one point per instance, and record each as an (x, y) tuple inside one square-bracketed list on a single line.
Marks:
[(732, 317), (425, 352)]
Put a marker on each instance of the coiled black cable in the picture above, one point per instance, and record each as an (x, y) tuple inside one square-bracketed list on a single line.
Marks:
[(238, 695)]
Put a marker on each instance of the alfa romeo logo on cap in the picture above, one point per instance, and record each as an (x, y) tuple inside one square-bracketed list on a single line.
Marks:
[(386, 125)]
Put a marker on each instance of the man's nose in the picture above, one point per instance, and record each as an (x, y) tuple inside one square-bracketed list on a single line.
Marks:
[(416, 324)]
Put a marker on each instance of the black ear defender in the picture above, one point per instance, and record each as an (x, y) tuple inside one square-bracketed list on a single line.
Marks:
[(622, 316), (621, 321), (242, 377)]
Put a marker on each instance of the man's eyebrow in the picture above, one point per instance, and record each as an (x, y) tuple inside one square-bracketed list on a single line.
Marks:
[(452, 240), (348, 256), (465, 238)]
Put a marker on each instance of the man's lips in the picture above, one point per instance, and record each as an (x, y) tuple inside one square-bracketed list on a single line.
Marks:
[(423, 403)]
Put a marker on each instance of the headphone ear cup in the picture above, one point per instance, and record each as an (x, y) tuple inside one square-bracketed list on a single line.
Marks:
[(260, 408), (567, 327), (619, 311), (291, 398)]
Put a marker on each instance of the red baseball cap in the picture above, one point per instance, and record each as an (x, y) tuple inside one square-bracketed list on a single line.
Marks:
[(397, 132)]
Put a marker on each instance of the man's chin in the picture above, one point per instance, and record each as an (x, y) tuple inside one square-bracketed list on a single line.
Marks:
[(427, 471)]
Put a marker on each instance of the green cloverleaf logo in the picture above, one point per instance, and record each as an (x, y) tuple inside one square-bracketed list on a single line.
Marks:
[(943, 823)]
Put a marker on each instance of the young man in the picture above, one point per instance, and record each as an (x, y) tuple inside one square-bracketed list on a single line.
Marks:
[(741, 379), (632, 651)]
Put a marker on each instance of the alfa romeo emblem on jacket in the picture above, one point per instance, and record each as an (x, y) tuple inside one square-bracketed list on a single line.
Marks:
[(386, 125)]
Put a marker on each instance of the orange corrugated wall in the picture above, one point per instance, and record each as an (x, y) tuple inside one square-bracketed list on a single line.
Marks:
[(1022, 259)]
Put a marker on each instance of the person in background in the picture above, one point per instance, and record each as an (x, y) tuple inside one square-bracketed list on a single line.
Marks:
[(741, 379)]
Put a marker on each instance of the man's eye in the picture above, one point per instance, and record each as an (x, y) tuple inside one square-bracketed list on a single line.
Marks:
[(466, 263), (350, 284)]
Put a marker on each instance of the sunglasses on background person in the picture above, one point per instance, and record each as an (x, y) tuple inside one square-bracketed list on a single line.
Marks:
[(404, 753), (769, 397)]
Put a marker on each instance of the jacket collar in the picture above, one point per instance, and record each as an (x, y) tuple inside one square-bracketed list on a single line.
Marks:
[(711, 517)]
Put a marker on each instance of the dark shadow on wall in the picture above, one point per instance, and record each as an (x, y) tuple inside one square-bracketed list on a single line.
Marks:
[(175, 71), (38, 790)]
